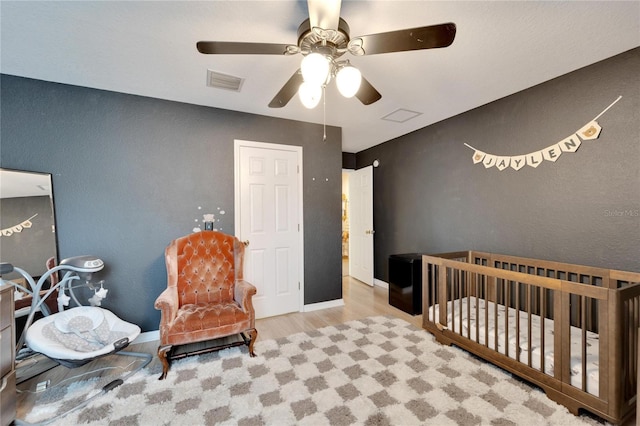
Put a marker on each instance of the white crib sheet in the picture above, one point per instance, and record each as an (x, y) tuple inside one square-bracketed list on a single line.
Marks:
[(592, 341)]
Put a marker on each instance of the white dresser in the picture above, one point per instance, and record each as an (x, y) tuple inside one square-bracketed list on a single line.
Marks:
[(7, 357)]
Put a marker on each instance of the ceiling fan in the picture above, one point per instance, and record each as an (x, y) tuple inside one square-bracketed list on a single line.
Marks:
[(323, 39)]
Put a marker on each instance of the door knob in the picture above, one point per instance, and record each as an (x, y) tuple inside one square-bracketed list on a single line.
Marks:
[(246, 243)]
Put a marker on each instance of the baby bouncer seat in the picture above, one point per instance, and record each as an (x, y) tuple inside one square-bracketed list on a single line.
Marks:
[(78, 335)]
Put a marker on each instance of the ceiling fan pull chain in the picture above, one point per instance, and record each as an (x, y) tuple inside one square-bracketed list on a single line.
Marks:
[(324, 112)]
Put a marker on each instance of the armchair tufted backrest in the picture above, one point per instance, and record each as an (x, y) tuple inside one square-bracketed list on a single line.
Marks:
[(204, 267)]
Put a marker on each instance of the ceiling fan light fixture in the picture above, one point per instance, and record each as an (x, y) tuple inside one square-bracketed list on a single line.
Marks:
[(315, 68), (309, 94), (348, 80)]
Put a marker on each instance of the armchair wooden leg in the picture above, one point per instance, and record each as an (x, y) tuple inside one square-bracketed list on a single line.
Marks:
[(162, 355), (253, 335)]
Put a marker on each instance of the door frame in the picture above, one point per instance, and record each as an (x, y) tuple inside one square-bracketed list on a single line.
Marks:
[(237, 143)]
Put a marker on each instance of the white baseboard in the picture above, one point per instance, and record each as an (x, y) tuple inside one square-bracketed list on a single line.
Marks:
[(323, 305), (147, 336), (380, 283)]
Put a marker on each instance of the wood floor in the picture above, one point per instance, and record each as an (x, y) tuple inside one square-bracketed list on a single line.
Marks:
[(360, 301)]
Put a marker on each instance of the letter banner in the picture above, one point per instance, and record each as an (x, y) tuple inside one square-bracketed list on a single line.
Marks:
[(7, 232), (552, 153), (588, 132), (502, 163), (534, 159), (489, 161), (570, 144), (478, 156), (518, 162)]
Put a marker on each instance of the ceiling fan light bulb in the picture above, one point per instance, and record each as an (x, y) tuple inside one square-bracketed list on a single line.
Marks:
[(348, 81), (309, 94), (315, 69)]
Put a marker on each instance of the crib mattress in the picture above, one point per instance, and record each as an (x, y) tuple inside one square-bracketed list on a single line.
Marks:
[(476, 331)]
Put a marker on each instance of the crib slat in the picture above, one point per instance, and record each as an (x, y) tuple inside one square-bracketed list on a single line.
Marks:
[(459, 297), (432, 289), (605, 347), (528, 302), (435, 285), (442, 295), (561, 328), (583, 323), (468, 291), (441, 292), (486, 314), (543, 315), (477, 294), (506, 302), (495, 315), (518, 308), (451, 284)]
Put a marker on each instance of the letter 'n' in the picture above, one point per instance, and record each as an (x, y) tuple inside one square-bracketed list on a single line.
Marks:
[(570, 144)]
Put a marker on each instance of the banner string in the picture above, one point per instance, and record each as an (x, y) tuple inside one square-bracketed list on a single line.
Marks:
[(607, 108)]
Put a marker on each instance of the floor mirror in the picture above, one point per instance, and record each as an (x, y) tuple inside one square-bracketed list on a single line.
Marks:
[(27, 230)]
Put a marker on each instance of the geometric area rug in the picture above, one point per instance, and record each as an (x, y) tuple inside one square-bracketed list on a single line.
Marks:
[(374, 371)]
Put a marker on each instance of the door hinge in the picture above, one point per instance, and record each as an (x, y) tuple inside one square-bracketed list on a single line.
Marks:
[(298, 227), (298, 285), (298, 168)]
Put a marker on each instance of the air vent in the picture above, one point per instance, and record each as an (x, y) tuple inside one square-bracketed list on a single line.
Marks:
[(401, 115), (224, 81)]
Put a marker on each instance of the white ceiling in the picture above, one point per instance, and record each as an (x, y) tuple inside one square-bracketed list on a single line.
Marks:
[(148, 48)]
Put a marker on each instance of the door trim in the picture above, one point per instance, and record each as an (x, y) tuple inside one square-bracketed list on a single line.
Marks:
[(237, 143)]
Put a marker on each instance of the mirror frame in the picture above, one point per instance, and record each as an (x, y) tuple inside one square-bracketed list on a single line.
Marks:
[(27, 220)]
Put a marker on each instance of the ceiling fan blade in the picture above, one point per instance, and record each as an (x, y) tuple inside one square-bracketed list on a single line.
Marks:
[(367, 94), (238, 48), (324, 14), (430, 37), (288, 91)]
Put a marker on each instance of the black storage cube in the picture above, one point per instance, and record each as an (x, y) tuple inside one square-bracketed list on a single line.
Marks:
[(405, 282)]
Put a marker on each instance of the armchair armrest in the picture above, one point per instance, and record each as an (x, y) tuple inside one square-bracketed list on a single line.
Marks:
[(243, 293), (167, 304)]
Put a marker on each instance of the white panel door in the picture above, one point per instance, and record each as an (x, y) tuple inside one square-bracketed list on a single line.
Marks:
[(268, 215), (361, 225)]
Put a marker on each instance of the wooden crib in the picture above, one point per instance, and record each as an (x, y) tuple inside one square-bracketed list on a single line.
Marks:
[(570, 329)]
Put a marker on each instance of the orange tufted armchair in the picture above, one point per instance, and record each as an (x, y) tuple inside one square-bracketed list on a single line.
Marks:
[(206, 297)]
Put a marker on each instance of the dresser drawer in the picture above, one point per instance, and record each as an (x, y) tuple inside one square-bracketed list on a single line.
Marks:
[(8, 399)]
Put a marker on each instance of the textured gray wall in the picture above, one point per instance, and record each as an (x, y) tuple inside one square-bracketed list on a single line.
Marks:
[(129, 174), (584, 209)]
